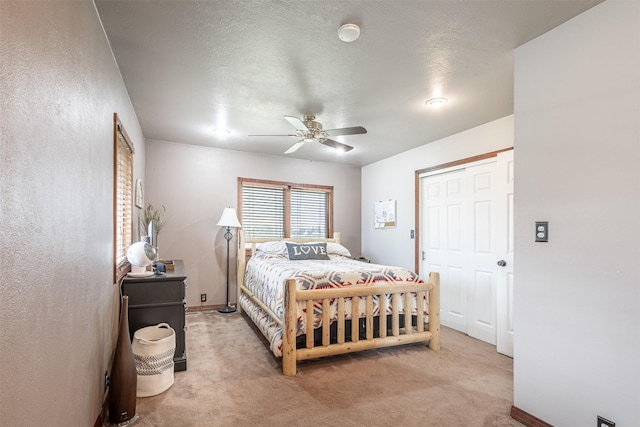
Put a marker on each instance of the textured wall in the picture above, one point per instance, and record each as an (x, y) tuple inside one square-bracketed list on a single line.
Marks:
[(196, 183), (577, 149), (60, 87)]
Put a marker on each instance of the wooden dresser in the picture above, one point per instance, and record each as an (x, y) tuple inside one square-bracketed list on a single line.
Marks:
[(157, 299)]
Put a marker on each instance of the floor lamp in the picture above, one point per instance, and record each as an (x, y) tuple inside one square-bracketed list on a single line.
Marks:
[(228, 219)]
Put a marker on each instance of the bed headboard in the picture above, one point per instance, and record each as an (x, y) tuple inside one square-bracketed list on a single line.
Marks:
[(247, 246)]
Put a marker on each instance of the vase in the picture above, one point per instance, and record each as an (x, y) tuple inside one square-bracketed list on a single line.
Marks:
[(124, 379)]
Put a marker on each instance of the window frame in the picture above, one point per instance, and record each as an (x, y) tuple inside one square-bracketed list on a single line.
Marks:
[(287, 187), (122, 195)]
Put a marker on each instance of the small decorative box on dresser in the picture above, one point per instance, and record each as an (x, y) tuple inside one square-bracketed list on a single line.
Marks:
[(156, 299)]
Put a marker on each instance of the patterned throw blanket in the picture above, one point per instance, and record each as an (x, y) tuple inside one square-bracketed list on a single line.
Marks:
[(266, 274)]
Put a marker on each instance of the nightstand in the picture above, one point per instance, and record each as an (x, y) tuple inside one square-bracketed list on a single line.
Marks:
[(157, 299)]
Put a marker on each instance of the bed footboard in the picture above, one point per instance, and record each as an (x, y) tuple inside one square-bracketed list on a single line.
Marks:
[(423, 331)]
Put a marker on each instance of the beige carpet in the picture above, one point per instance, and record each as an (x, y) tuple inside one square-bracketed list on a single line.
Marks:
[(232, 379)]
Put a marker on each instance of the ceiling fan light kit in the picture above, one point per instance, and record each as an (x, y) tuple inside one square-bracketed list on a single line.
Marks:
[(348, 33)]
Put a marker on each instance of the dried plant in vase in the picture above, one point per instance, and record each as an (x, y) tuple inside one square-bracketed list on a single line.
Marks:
[(152, 222)]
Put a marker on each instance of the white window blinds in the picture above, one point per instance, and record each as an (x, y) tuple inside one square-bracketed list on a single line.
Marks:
[(263, 212), (271, 209), (308, 213), (123, 196)]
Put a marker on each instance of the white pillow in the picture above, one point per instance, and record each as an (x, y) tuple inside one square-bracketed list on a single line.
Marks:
[(277, 248), (337, 249)]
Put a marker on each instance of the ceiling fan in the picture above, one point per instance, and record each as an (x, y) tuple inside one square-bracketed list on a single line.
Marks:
[(310, 130)]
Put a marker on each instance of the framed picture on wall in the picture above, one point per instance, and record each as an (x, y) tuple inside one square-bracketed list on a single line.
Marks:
[(385, 214), (139, 194)]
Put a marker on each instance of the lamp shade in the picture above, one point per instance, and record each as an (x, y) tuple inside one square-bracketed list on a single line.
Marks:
[(229, 218)]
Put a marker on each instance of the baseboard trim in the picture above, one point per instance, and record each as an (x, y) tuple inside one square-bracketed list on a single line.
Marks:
[(527, 419), (198, 308)]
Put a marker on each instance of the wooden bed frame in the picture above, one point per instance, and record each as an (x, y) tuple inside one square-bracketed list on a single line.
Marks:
[(421, 332)]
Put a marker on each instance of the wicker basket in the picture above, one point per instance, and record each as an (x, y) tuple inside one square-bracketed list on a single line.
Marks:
[(153, 350)]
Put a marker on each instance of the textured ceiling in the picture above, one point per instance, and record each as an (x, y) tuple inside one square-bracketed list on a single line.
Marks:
[(192, 66)]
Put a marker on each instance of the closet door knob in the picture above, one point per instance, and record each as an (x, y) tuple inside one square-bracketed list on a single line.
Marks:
[(502, 263)]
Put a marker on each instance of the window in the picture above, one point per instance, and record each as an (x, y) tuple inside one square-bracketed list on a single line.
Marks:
[(122, 198), (272, 209), (309, 213)]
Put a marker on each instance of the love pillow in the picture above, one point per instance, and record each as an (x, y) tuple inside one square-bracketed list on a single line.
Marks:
[(307, 251)]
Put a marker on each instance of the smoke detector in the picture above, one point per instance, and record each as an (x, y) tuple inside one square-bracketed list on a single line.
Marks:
[(348, 33)]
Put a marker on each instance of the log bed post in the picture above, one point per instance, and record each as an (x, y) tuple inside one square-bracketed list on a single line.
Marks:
[(289, 329), (434, 311)]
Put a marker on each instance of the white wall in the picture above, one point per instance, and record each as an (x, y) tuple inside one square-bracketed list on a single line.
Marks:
[(577, 150), (196, 183), (60, 87), (394, 178)]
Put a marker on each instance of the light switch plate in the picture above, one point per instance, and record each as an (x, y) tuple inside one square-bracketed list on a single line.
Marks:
[(603, 422), (542, 231)]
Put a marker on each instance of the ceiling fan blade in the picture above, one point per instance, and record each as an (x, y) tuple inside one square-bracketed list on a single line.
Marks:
[(296, 122), (273, 135), (356, 130), (295, 147), (335, 144)]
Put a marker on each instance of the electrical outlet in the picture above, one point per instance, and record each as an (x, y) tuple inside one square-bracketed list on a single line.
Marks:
[(542, 231), (603, 422), (203, 297), (106, 381)]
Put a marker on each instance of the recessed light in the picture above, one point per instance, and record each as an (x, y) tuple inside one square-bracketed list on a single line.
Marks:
[(348, 33), (221, 132), (436, 102)]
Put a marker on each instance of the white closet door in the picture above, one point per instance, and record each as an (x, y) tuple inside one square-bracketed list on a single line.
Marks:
[(443, 198), (481, 280), (459, 213), (504, 175)]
